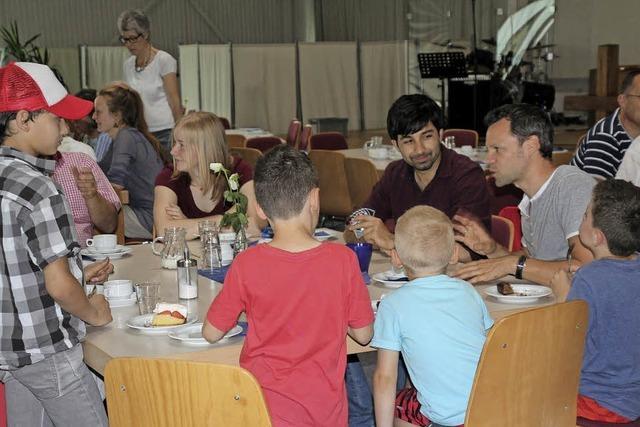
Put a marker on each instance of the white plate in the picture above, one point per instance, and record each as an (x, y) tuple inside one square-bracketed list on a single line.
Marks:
[(99, 256), (385, 276), (524, 294), (143, 324), (118, 248), (122, 302), (192, 335)]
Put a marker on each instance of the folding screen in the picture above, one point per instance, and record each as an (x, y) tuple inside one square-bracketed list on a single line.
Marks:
[(189, 76), (104, 64), (264, 86), (383, 67), (329, 81), (215, 79)]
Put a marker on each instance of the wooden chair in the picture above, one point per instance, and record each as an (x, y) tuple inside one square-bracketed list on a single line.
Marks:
[(305, 136), (502, 231), (225, 122), (236, 141), (335, 198), (512, 213), (123, 195), (529, 370), (293, 133), (362, 175), (328, 141), (559, 158), (263, 143), (249, 155), (463, 136), (163, 392)]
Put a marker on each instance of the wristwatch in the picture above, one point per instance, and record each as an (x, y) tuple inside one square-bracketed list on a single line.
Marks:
[(522, 261)]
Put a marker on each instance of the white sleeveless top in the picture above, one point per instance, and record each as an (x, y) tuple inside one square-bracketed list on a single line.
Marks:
[(148, 83)]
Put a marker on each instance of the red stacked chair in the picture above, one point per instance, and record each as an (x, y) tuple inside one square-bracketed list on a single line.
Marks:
[(463, 136), (293, 132), (328, 141), (263, 143)]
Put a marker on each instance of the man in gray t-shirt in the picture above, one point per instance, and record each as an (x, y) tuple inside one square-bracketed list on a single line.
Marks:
[(520, 143)]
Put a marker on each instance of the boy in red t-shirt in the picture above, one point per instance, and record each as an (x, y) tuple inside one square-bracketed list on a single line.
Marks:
[(301, 298)]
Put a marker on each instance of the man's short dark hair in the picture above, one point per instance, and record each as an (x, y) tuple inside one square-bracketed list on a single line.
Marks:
[(628, 80), (410, 113), (526, 120), (283, 179), (615, 208)]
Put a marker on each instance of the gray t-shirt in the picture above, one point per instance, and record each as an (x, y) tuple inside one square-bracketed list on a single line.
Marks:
[(554, 214), (134, 164)]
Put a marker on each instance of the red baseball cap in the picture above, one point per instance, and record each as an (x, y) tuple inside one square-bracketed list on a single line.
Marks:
[(31, 87)]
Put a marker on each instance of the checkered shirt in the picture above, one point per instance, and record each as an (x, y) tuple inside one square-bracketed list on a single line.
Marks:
[(63, 176), (36, 230)]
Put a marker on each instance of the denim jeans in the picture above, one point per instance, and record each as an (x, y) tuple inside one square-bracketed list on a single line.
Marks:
[(358, 394), (164, 137), (59, 390)]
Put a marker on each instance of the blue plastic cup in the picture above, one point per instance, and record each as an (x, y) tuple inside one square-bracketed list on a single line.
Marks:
[(363, 252)]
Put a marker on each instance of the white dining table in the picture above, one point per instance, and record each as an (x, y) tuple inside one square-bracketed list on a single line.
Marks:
[(118, 340), (248, 133)]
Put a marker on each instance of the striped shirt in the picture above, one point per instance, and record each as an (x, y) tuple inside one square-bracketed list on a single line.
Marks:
[(36, 229), (603, 149)]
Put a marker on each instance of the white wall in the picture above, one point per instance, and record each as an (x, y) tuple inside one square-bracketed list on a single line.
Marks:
[(582, 25)]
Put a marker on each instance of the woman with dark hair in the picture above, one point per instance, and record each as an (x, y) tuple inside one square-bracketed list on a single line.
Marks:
[(153, 73), (135, 157)]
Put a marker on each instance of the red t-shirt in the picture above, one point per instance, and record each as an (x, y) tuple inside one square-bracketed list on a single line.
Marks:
[(298, 306), (180, 186)]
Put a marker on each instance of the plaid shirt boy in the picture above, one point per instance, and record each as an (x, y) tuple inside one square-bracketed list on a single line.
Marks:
[(36, 230)]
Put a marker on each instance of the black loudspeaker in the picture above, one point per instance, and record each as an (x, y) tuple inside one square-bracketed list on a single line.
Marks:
[(490, 94)]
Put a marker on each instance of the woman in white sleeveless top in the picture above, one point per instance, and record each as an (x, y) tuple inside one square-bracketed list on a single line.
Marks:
[(152, 73)]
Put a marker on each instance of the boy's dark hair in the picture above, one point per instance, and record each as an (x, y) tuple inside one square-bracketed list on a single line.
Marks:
[(283, 179), (7, 116), (410, 113), (615, 207), (526, 120), (628, 80)]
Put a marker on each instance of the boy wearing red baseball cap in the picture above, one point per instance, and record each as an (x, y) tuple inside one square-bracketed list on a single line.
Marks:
[(43, 306)]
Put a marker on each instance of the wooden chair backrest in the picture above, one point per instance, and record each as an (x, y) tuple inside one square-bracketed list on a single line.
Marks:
[(503, 231), (362, 175), (249, 155), (559, 158), (335, 198), (123, 195), (529, 369), (236, 141), (293, 133), (164, 392)]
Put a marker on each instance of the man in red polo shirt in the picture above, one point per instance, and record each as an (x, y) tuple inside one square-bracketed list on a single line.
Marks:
[(428, 174)]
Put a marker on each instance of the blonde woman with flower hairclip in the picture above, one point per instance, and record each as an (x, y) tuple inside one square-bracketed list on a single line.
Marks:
[(189, 192)]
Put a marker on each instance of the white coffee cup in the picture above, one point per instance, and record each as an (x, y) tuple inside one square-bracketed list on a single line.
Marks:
[(118, 289), (103, 242)]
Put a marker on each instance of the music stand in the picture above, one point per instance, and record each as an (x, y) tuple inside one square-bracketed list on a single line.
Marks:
[(443, 66)]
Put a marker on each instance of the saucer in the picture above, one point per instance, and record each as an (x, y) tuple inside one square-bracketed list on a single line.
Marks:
[(118, 248), (99, 256), (122, 302)]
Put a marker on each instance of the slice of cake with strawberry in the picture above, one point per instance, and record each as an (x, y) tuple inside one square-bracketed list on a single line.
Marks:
[(166, 314)]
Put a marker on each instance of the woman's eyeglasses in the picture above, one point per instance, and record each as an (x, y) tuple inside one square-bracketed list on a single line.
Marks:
[(125, 40)]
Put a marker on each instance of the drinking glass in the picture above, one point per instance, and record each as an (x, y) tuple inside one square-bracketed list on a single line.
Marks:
[(147, 295), (363, 252)]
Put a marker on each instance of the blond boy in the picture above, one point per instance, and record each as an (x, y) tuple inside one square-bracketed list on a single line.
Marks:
[(437, 322)]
